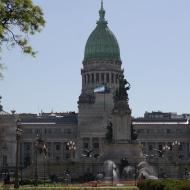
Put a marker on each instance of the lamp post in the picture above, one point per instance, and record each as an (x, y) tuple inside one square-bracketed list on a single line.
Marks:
[(36, 160), (176, 144), (174, 147), (18, 135), (72, 147)]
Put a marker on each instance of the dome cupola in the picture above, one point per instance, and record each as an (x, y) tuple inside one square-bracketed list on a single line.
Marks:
[(102, 43)]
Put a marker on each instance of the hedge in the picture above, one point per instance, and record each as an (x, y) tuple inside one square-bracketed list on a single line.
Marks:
[(168, 184)]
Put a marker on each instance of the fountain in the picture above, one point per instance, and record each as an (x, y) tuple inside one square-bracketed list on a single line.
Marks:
[(146, 170), (122, 148), (111, 172)]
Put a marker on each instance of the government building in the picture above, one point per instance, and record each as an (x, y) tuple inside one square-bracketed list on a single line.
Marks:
[(52, 144)]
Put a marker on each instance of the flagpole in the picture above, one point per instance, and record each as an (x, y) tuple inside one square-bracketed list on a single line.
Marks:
[(104, 100), (105, 97)]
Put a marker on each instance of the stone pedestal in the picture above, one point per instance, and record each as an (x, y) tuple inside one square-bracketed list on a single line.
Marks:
[(121, 118)]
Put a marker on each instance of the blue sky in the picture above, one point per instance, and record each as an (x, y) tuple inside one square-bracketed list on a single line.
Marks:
[(154, 38)]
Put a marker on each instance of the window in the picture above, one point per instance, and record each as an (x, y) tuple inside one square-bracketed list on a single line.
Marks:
[(38, 131), (92, 78), (57, 130), (140, 131), (97, 78), (49, 131), (88, 78), (116, 78), (160, 147), (68, 131), (107, 77), (49, 154), (58, 146), (4, 160), (67, 156), (85, 79), (102, 77), (28, 131), (96, 145), (86, 142), (150, 147), (85, 145), (27, 146), (168, 131), (112, 78)]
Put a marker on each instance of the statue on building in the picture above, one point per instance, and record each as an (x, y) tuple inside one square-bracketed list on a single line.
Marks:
[(121, 93), (121, 113)]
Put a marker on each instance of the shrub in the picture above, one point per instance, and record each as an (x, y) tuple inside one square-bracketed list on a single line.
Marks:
[(169, 184)]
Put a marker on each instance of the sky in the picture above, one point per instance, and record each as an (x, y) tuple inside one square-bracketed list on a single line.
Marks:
[(154, 39)]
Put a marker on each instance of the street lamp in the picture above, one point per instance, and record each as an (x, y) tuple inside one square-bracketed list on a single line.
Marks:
[(72, 147), (176, 143), (166, 148), (18, 135), (36, 160), (41, 148)]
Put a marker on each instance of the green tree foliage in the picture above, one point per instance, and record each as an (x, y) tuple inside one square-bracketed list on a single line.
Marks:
[(18, 20)]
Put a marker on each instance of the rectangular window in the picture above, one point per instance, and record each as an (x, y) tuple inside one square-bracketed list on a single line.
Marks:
[(160, 147), (116, 78), (112, 78), (68, 131), (86, 142), (140, 131), (97, 78), (85, 145), (57, 146), (49, 131), (85, 79), (107, 77), (168, 131), (150, 147), (96, 145), (92, 78), (102, 77)]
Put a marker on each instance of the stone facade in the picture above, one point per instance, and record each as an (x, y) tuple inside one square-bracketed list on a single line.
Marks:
[(159, 135), (87, 130), (7, 142)]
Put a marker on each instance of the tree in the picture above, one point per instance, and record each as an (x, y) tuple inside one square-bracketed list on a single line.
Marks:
[(18, 20)]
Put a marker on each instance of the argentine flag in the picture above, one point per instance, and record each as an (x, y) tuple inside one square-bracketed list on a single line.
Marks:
[(100, 89)]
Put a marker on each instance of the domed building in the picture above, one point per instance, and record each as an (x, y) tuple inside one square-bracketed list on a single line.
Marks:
[(102, 130), (102, 63), (101, 73)]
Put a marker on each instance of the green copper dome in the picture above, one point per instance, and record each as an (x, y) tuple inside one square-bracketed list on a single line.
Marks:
[(102, 44)]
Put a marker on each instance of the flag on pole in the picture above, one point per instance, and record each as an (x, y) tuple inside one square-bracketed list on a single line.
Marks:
[(100, 89)]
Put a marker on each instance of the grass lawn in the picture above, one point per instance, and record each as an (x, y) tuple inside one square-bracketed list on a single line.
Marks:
[(65, 187)]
